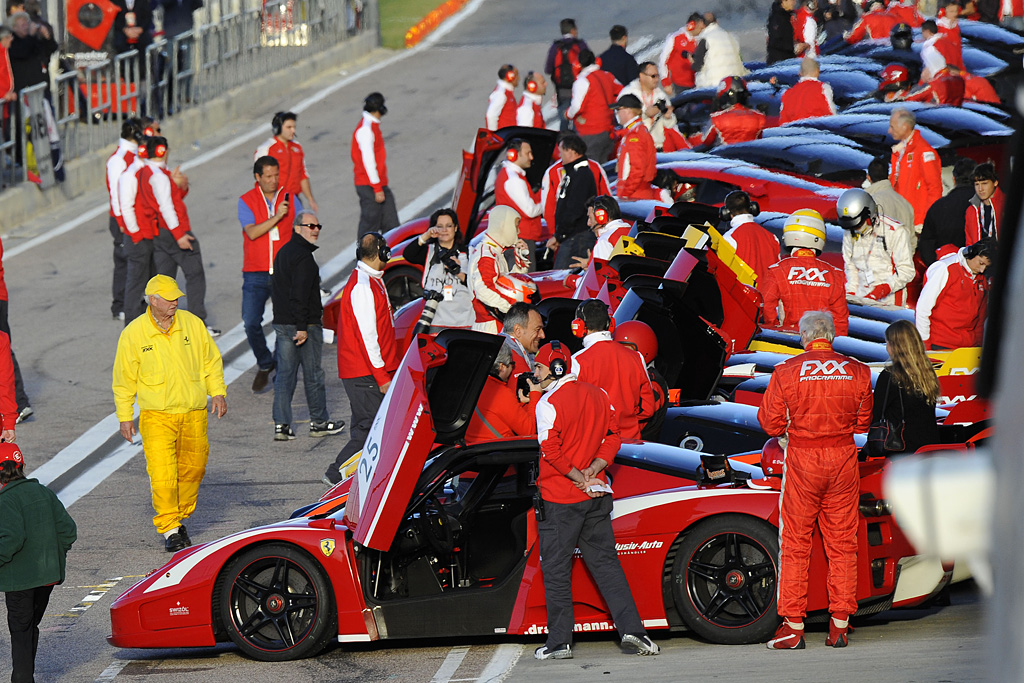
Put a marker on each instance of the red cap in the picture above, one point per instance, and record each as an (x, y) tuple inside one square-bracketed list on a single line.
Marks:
[(552, 351), (9, 452)]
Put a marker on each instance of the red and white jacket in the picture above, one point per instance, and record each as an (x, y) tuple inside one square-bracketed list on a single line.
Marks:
[(621, 372), (8, 404), (607, 237), (952, 305), (805, 30), (553, 178), (975, 217), (528, 112), (117, 164), (291, 160), (369, 158), (756, 246), (366, 332), (953, 49), (258, 254), (1011, 8), (674, 64), (945, 87), (575, 425), (915, 171), (906, 13), (804, 283), (978, 89), (501, 106), (874, 25), (592, 93), (499, 414), (127, 196), (511, 189), (160, 202), (808, 98), (486, 265), (734, 124), (637, 163)]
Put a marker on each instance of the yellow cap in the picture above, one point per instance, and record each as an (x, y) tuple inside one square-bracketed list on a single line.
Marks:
[(164, 287)]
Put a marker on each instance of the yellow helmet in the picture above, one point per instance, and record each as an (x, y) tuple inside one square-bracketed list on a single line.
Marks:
[(804, 228)]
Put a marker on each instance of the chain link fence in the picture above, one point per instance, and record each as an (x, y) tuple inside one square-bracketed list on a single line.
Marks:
[(172, 76)]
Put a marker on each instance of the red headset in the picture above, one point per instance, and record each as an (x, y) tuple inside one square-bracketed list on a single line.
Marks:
[(511, 74), (601, 216), (690, 25), (161, 151), (149, 131), (512, 154), (531, 85), (579, 327)]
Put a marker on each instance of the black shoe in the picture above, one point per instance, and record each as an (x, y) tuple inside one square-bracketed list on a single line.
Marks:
[(175, 542), (325, 428), (261, 381), (283, 433), (184, 534)]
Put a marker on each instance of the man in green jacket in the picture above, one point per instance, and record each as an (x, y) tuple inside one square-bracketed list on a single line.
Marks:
[(36, 533)]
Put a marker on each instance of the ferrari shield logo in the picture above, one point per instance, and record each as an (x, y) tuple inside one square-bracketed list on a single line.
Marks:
[(327, 546)]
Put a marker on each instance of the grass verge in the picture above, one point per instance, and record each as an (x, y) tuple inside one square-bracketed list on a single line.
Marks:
[(398, 16)]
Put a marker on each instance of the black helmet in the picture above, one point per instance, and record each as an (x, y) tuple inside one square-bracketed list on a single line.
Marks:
[(732, 90), (901, 37)]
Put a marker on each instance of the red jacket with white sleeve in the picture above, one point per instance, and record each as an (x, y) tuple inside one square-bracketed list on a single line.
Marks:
[(805, 30), (975, 218), (528, 112), (575, 425), (756, 246), (637, 163), (366, 332), (954, 47), (501, 106), (159, 203), (952, 305), (674, 65), (258, 254), (511, 189), (117, 164), (127, 195), (735, 124), (369, 158), (607, 237), (809, 97), (291, 161), (592, 92), (622, 373)]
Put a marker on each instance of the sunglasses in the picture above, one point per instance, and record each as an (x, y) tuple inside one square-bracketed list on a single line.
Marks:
[(316, 226)]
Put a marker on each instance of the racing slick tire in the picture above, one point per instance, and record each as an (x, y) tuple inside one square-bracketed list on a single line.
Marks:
[(403, 285), (275, 603), (724, 579)]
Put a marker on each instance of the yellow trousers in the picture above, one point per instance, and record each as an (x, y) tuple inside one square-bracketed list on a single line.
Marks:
[(176, 451)]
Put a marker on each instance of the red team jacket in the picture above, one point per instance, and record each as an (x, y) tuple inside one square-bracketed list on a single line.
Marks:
[(621, 373), (952, 305), (952, 48), (592, 92), (502, 96), (575, 425), (258, 254), (874, 25), (916, 173), (637, 163), (117, 164), (499, 414), (675, 66), (735, 124), (511, 189), (974, 218), (369, 158), (978, 89), (807, 98), (291, 160), (804, 283), (756, 246), (549, 189), (528, 113), (160, 203), (944, 88), (8, 404), (366, 333)]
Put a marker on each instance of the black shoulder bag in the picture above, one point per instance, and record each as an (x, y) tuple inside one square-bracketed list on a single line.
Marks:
[(885, 436)]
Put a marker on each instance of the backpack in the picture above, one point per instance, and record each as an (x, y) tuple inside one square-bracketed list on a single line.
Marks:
[(568, 55)]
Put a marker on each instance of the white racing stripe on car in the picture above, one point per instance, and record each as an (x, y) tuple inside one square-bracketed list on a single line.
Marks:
[(391, 480), (655, 623), (177, 573), (636, 504), (354, 638)]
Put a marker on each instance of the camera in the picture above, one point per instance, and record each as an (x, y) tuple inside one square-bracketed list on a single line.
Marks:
[(449, 258), (524, 382), (662, 106)]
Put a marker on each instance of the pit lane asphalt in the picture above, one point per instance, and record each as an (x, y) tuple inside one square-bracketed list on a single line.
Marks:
[(65, 341)]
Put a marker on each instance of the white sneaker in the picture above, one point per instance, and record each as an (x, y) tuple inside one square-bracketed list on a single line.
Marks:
[(560, 652), (214, 332), (643, 644)]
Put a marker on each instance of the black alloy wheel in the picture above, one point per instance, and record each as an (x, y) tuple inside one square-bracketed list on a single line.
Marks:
[(724, 579), (403, 285), (275, 603)]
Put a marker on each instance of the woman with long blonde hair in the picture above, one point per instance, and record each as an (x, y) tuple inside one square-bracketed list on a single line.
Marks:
[(908, 389)]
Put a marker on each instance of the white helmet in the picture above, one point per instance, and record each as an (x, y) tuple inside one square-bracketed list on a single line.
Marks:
[(515, 286), (855, 207), (805, 228)]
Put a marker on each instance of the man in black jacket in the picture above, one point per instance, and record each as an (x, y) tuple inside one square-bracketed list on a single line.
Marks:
[(572, 234), (563, 65), (944, 222), (781, 44), (616, 61), (298, 324)]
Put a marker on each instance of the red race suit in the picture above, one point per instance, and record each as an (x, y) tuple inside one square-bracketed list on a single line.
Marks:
[(804, 283)]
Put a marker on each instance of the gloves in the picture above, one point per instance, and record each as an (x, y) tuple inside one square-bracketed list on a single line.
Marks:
[(880, 292)]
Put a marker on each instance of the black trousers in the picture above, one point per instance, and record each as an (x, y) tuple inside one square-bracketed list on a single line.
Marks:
[(574, 245), (364, 398), (120, 268), (374, 217), (588, 526), (19, 384), (139, 269), (25, 610), (168, 257), (600, 146)]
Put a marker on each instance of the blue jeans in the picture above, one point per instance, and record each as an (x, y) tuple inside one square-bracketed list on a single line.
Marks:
[(255, 294), (289, 358)]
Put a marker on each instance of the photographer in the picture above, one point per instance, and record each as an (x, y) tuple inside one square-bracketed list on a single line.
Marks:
[(657, 110), (442, 253), (503, 411)]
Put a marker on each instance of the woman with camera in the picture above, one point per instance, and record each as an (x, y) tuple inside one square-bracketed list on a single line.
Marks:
[(442, 253), (907, 390)]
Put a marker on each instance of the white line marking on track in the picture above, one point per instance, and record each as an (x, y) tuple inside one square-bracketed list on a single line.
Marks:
[(450, 665), (111, 672), (501, 663)]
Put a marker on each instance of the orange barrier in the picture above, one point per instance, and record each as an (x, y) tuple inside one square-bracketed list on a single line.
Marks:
[(432, 21)]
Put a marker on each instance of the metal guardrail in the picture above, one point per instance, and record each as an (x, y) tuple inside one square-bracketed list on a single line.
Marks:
[(192, 68)]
